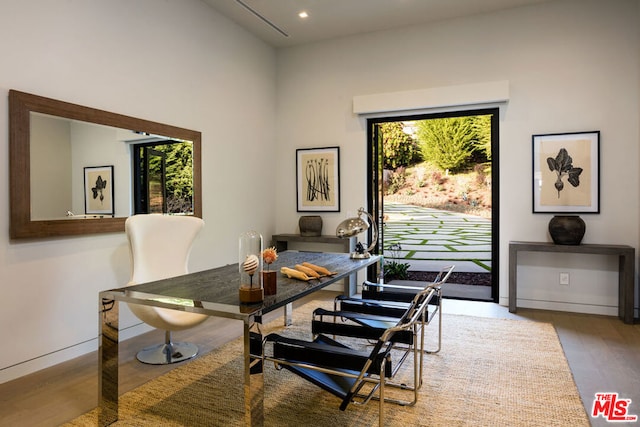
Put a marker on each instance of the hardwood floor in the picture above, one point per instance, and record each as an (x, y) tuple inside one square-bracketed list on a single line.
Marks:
[(603, 353)]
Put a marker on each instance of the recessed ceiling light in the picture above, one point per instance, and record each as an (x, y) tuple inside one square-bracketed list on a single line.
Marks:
[(303, 14)]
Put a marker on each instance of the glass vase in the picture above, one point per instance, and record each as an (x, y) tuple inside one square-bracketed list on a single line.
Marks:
[(250, 266)]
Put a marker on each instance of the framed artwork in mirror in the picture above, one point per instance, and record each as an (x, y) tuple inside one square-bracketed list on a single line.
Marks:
[(318, 179), (566, 173), (98, 190)]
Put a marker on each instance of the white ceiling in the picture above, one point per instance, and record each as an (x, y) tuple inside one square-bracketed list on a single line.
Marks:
[(338, 18)]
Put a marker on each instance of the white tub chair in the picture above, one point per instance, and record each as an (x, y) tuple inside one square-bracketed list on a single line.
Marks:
[(159, 247)]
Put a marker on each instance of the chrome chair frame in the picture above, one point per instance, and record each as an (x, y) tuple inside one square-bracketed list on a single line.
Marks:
[(375, 300), (390, 301), (334, 366)]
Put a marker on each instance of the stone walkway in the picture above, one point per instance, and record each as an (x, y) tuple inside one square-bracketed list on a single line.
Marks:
[(431, 239)]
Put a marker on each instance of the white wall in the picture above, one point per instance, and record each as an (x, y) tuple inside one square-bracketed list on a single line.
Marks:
[(176, 62), (51, 181), (571, 65)]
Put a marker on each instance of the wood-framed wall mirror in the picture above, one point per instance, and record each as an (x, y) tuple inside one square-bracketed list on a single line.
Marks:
[(73, 170)]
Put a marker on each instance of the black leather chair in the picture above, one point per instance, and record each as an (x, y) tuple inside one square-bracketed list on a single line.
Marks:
[(391, 300), (346, 371), (382, 305)]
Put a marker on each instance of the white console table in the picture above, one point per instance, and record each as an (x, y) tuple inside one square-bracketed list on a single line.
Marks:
[(626, 265)]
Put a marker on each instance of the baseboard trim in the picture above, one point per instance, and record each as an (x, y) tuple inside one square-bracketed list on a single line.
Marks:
[(569, 307), (44, 361)]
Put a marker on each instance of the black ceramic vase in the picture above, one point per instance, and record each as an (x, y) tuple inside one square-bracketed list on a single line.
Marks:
[(567, 229)]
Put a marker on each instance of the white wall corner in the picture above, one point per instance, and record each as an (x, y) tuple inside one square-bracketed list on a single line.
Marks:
[(438, 97)]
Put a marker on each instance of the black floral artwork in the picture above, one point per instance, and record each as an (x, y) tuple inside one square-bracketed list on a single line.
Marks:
[(563, 166), (100, 186)]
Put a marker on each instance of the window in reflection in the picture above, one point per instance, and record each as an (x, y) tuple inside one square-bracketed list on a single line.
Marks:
[(163, 177)]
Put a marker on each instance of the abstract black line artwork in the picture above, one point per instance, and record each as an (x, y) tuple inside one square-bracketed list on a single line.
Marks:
[(318, 183)]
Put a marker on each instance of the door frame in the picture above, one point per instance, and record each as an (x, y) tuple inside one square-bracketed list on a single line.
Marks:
[(374, 196)]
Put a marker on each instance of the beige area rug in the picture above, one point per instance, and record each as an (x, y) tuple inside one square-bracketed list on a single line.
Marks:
[(490, 372)]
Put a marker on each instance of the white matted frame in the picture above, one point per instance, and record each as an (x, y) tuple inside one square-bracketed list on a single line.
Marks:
[(98, 190), (566, 173), (318, 179)]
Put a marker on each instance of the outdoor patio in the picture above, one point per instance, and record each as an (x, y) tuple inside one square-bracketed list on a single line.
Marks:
[(430, 239)]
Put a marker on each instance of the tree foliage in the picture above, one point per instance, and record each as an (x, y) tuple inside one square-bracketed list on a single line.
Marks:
[(482, 129), (448, 142), (399, 148), (179, 163), (454, 143), (179, 175)]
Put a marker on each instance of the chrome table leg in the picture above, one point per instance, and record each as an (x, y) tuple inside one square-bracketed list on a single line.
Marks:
[(108, 362), (253, 373)]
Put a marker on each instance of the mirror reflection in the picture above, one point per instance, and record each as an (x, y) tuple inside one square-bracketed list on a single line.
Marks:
[(86, 170), (163, 176), (69, 162)]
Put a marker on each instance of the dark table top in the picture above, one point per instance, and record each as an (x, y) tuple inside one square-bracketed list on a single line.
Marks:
[(215, 291)]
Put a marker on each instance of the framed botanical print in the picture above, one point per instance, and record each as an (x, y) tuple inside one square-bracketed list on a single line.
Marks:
[(566, 173), (98, 190)]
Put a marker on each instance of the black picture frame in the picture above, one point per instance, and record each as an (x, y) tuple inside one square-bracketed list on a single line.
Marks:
[(98, 190), (318, 179), (566, 172)]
